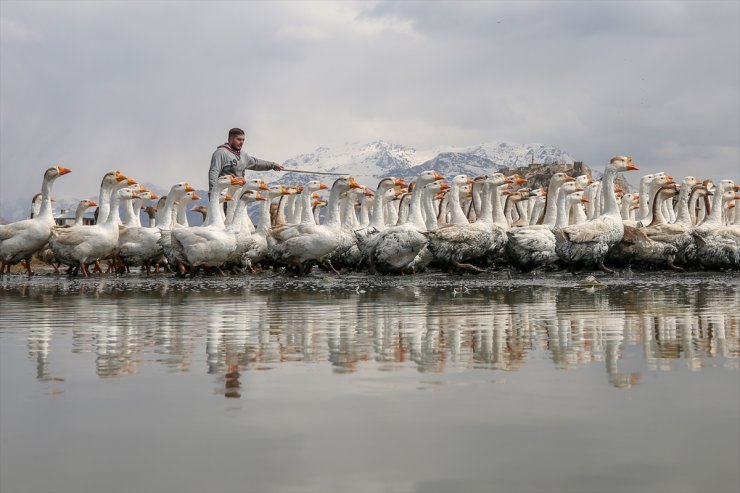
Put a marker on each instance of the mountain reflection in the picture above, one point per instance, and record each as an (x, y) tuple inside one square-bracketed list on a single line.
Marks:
[(226, 331)]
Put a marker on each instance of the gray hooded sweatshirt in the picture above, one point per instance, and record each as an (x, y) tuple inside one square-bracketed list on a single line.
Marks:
[(227, 161)]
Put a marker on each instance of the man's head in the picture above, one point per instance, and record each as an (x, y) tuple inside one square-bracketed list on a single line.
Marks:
[(236, 138)]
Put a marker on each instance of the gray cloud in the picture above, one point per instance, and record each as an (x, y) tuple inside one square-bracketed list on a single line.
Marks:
[(151, 87)]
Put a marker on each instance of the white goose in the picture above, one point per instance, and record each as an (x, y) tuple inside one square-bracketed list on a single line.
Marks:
[(457, 245), (347, 253), (46, 255), (298, 244), (165, 223), (209, 245), (139, 246), (532, 247), (395, 249), (588, 243), (717, 245), (257, 249), (21, 239), (79, 246)]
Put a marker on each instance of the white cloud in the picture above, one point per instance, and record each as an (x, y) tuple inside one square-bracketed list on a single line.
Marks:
[(152, 87)]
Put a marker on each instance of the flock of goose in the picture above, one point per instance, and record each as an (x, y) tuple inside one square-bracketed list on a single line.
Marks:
[(464, 224)]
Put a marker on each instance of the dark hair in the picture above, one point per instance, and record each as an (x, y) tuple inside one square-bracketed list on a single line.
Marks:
[(235, 131)]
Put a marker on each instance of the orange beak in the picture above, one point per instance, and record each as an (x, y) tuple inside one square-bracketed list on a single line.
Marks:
[(237, 181), (92, 203), (196, 196), (63, 171), (579, 188), (444, 186), (731, 206), (519, 180), (469, 180), (135, 196), (188, 188), (437, 176), (228, 198), (263, 186), (315, 195), (399, 183), (368, 193), (120, 176), (584, 200), (631, 167), (131, 181), (353, 183), (260, 197), (153, 196), (323, 186), (508, 181), (569, 178)]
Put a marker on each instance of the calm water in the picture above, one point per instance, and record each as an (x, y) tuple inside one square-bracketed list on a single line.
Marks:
[(356, 383)]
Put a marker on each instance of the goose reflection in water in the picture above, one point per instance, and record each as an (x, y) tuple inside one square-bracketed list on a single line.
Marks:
[(389, 329)]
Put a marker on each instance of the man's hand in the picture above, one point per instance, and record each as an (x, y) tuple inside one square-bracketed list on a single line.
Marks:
[(278, 167)]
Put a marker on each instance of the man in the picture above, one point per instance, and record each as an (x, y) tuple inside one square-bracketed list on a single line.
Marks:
[(228, 159)]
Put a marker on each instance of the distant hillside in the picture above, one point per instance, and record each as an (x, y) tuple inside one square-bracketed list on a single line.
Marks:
[(371, 162)]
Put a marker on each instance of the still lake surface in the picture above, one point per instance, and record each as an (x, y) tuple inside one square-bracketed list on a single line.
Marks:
[(360, 383)]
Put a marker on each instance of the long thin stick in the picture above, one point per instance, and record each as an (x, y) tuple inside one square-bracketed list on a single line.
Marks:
[(313, 172)]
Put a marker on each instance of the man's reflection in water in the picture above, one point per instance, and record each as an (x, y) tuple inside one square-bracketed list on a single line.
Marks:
[(232, 384)]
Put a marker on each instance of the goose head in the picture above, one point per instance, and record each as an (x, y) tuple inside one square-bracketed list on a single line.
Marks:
[(498, 179), (316, 185), (559, 178), (344, 183), (583, 181), (725, 185), (577, 198), (427, 177), (622, 163), (689, 182), (55, 172)]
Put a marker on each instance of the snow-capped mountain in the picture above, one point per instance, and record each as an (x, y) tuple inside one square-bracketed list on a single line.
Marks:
[(370, 162)]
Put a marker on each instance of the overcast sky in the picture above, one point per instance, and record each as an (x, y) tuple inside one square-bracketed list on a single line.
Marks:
[(151, 88)]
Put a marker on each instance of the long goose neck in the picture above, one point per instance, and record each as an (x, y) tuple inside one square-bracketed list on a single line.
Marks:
[(507, 210), (683, 216), (644, 198), (657, 208), (215, 215), (166, 213), (486, 197), (714, 218), (45, 211), (79, 214), (608, 198), (551, 212), (377, 219), (347, 218), (113, 218), (264, 225), (579, 213), (332, 208), (415, 216), (456, 212), (237, 223), (499, 219), (128, 213), (104, 198), (431, 215), (522, 211), (289, 209), (306, 212), (561, 220)]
